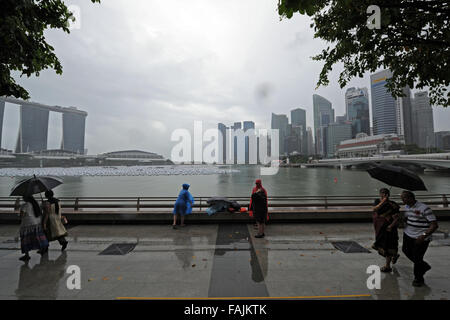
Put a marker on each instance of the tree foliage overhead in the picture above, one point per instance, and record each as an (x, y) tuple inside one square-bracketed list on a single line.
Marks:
[(23, 46), (413, 41)]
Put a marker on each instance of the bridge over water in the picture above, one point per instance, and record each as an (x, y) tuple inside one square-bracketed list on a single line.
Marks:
[(436, 161)]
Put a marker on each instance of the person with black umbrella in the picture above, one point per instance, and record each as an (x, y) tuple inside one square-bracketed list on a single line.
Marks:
[(32, 235), (420, 225)]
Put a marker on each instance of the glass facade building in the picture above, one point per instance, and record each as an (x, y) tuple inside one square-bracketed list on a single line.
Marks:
[(357, 110), (74, 126), (33, 129), (323, 115), (384, 110), (298, 119), (2, 113)]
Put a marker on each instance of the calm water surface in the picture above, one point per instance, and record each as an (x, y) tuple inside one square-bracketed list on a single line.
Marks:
[(288, 181)]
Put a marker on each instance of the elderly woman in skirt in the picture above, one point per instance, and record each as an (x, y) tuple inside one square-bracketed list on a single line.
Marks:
[(32, 235)]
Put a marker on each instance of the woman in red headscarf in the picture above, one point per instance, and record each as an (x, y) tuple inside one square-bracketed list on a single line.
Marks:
[(259, 207)]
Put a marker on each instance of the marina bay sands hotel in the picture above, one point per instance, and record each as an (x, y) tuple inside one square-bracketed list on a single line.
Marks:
[(33, 126)]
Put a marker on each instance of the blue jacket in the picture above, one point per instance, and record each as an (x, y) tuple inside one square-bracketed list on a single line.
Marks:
[(185, 199)]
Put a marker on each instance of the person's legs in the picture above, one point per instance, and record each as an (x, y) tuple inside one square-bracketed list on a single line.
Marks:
[(182, 220), (63, 242), (25, 257), (387, 266), (260, 228), (174, 220), (420, 266), (407, 248)]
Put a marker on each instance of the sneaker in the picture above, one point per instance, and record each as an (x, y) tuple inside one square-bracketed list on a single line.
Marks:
[(418, 283), (174, 226), (259, 236), (64, 246)]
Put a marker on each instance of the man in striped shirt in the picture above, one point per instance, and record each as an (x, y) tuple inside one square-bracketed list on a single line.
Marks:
[(420, 224)]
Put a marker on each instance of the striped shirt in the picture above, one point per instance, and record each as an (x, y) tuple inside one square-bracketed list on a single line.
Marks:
[(418, 223)]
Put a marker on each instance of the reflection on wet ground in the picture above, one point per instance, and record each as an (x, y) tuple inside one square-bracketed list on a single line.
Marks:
[(42, 280), (292, 261)]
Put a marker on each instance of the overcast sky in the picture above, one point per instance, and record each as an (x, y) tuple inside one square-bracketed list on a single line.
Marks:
[(142, 68)]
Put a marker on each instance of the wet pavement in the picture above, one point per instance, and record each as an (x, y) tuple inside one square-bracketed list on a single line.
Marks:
[(293, 261)]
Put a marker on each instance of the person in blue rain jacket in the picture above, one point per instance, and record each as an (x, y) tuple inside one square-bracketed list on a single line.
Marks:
[(183, 205)]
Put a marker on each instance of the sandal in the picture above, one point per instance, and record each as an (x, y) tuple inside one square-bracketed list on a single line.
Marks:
[(385, 269)]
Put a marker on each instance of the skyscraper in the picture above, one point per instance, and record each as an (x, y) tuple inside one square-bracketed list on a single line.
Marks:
[(337, 132), (384, 111), (323, 116), (309, 141), (281, 122), (298, 119), (247, 126), (390, 115), (33, 129), (73, 132), (423, 122), (222, 145), (236, 126), (2, 112), (404, 116), (357, 110)]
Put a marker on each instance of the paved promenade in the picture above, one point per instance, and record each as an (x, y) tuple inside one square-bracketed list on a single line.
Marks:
[(295, 261)]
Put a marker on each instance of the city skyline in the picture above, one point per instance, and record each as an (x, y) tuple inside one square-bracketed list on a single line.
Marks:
[(143, 71)]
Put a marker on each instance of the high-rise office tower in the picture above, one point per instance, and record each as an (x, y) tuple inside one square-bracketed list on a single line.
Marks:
[(222, 143), (390, 115), (337, 132), (384, 111), (404, 116), (357, 110), (247, 126), (423, 122), (310, 141), (298, 119), (281, 122), (2, 112), (33, 129), (234, 127), (323, 116), (73, 132)]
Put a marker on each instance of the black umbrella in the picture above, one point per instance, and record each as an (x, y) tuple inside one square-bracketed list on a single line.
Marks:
[(35, 185), (397, 177)]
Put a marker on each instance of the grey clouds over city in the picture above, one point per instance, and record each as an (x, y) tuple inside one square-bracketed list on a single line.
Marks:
[(142, 69)]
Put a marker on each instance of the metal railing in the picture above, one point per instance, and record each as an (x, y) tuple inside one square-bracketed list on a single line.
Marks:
[(138, 204)]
